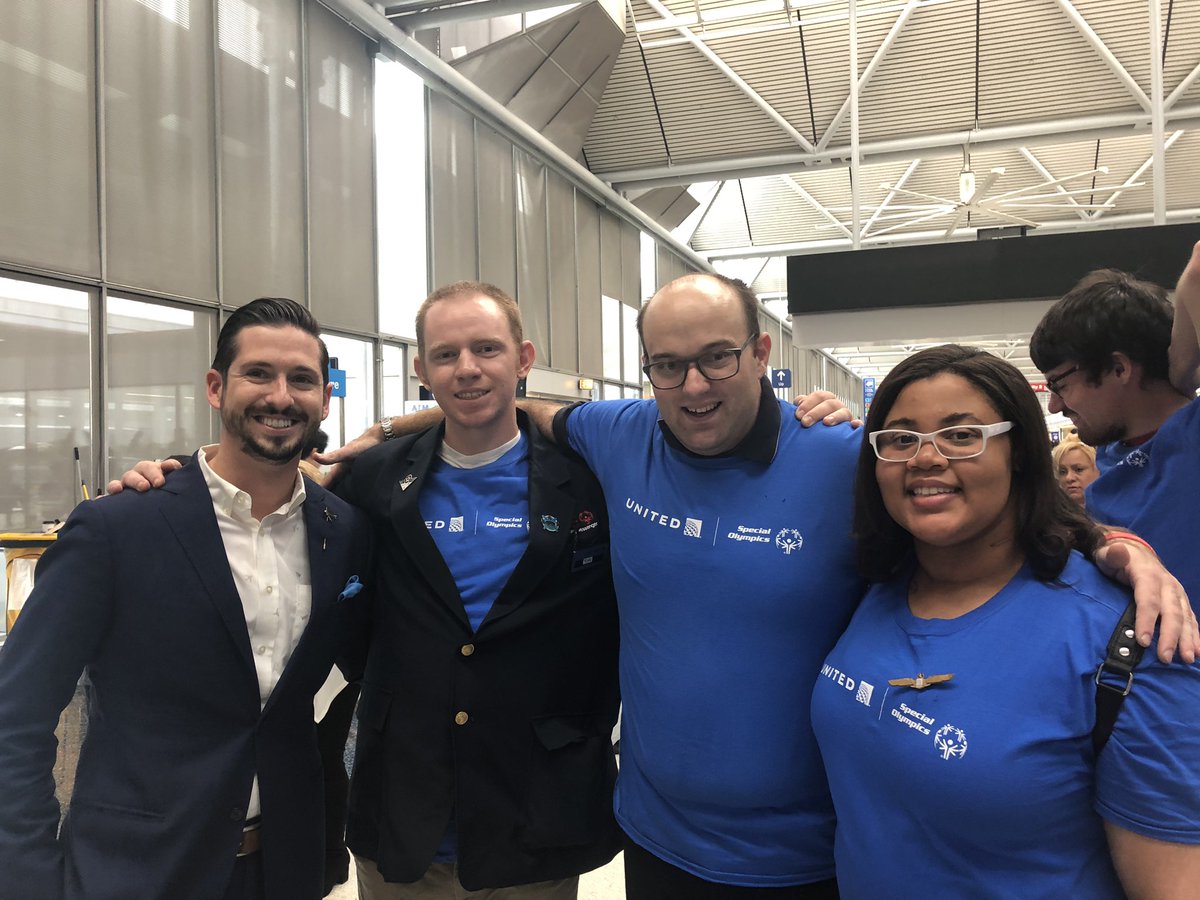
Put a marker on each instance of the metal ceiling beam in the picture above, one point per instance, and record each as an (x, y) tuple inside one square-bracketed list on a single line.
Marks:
[(1045, 173), (1137, 173), (891, 194), (740, 83), (418, 19), (441, 77), (855, 149), (801, 248), (943, 144), (1157, 114), (815, 204), (1109, 58), (868, 72), (1181, 88)]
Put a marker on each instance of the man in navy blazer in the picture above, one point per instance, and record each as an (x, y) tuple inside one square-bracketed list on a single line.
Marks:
[(206, 616)]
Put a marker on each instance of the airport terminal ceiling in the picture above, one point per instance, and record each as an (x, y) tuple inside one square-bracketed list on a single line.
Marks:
[(734, 123)]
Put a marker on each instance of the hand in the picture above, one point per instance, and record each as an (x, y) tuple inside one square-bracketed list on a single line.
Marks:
[(823, 405), (149, 473), (1159, 597), (340, 460)]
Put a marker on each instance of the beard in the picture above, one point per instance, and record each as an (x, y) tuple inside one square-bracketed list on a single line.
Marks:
[(1101, 435), (281, 449)]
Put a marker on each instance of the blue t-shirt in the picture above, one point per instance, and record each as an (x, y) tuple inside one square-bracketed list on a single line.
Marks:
[(734, 579), (479, 519), (986, 785), (1154, 491)]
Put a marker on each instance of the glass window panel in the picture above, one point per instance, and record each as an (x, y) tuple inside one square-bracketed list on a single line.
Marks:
[(497, 236), (262, 157), (341, 173), (632, 347), (396, 373), (400, 182), (159, 157), (349, 416), (610, 255), (564, 314), (587, 246), (631, 282), (533, 286), (452, 214), (610, 318), (157, 358), (649, 266), (45, 402), (48, 177)]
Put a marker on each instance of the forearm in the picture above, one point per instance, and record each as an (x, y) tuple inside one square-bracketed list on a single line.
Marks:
[(412, 423), (541, 413), (1184, 353), (1153, 870)]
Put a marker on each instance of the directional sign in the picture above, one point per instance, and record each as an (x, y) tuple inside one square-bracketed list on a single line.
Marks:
[(781, 378), (337, 377)]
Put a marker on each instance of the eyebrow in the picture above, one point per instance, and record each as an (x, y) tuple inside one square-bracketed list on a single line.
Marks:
[(952, 419), (723, 344), (263, 364)]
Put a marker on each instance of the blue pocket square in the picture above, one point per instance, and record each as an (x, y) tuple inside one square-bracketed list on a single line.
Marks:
[(353, 586)]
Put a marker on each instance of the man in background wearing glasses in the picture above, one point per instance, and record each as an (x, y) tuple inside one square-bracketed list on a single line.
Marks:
[(1121, 365)]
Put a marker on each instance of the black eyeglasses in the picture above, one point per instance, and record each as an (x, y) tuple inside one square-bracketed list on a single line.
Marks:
[(1055, 384), (715, 365)]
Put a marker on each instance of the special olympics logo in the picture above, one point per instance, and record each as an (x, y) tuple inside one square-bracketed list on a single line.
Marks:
[(1137, 459), (951, 741), (789, 539)]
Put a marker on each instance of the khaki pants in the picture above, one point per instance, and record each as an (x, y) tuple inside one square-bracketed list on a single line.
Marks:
[(441, 883)]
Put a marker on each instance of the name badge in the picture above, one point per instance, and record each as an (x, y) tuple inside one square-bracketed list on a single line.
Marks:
[(588, 557)]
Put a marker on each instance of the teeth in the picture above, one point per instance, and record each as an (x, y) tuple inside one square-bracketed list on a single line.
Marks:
[(276, 423), (699, 411), (470, 395), (931, 491)]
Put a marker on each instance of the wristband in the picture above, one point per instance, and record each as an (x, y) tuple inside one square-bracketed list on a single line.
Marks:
[(1127, 536)]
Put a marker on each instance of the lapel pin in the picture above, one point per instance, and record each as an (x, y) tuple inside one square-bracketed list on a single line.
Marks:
[(920, 682), (407, 481), (550, 523), (329, 517)]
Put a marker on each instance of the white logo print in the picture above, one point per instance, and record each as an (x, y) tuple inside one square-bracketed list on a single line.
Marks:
[(693, 527), (456, 523), (951, 741), (788, 539), (1137, 459), (865, 689)]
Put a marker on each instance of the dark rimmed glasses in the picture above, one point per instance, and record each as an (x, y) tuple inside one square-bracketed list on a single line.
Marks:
[(954, 442), (715, 365), (1055, 385)]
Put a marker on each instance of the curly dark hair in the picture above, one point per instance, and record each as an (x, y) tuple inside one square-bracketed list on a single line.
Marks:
[(1049, 523)]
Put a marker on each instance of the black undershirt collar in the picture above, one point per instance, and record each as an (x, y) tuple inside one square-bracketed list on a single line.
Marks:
[(761, 440)]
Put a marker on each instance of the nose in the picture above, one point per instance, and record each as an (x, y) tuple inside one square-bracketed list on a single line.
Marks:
[(278, 394), (1054, 404), (928, 457), (694, 380), (468, 365)]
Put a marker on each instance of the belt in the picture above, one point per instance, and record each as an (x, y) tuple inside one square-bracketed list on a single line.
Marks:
[(251, 841)]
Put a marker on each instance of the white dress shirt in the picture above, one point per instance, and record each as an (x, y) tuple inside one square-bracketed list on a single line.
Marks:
[(269, 562)]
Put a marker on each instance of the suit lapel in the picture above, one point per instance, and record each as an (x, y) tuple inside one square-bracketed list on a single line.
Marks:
[(408, 478), (551, 516), (194, 523)]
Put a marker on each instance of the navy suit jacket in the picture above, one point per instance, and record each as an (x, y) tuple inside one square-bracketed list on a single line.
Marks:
[(138, 591)]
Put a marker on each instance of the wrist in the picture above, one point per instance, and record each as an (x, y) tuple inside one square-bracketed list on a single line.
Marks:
[(385, 426), (1127, 536)]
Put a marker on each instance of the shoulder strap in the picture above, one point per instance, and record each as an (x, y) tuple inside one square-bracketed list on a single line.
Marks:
[(1114, 677)]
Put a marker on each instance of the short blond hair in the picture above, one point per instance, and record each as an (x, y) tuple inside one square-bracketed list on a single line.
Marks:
[(1069, 443), (458, 289)]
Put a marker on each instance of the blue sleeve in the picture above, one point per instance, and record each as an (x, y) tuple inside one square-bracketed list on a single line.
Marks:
[(56, 635), (1148, 776), (603, 429)]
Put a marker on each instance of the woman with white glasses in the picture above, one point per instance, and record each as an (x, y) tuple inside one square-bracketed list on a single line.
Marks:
[(958, 715)]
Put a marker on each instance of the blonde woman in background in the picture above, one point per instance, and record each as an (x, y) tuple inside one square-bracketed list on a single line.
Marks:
[(1075, 467)]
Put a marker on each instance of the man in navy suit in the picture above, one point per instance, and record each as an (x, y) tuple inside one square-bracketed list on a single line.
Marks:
[(206, 616)]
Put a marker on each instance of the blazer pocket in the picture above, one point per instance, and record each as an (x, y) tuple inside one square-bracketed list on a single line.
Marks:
[(572, 771), (116, 809)]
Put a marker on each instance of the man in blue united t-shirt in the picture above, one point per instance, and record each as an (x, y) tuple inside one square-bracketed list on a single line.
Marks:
[(1122, 365)]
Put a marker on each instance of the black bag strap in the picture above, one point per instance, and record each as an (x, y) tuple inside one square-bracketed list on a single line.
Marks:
[(1114, 677)]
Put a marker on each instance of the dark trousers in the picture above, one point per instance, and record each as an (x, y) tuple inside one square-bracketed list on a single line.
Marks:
[(649, 878), (247, 882)]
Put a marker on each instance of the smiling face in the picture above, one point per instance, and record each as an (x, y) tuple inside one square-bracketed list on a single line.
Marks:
[(471, 364), (689, 317), (949, 503), (1075, 471), (1093, 409), (273, 397)]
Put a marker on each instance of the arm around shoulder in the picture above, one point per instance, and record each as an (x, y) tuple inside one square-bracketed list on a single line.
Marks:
[(1151, 869), (1184, 352)]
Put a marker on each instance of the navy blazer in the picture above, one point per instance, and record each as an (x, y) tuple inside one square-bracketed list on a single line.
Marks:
[(138, 591), (528, 771)]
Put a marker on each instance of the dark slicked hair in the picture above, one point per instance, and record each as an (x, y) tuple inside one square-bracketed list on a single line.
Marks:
[(1049, 523), (746, 297), (459, 289), (1105, 313), (274, 312)]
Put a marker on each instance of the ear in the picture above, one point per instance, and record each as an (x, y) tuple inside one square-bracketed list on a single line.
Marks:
[(1123, 367), (213, 385), (528, 355), (762, 353), (325, 404), (420, 370)]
